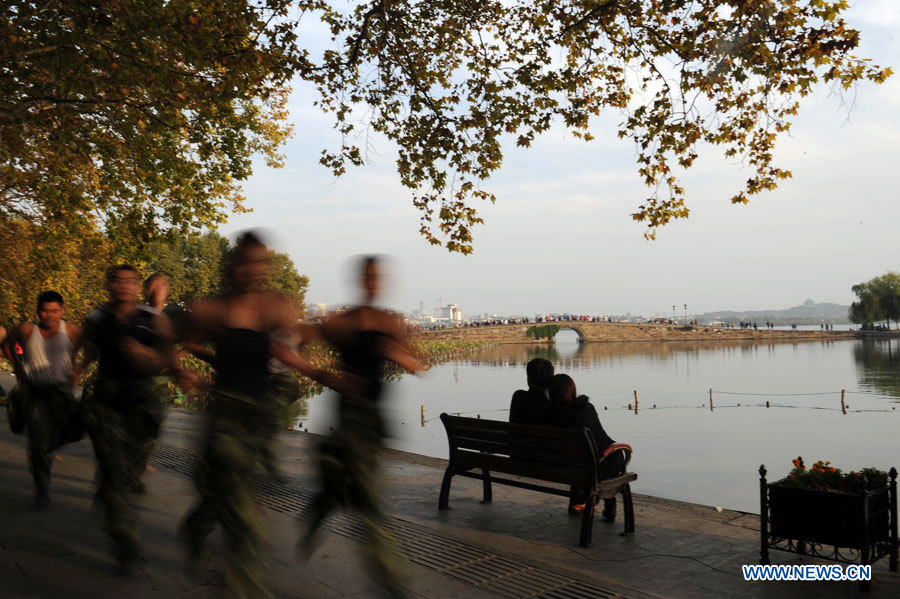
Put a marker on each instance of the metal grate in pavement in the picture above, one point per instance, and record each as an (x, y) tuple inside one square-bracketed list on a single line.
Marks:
[(505, 575), (175, 458)]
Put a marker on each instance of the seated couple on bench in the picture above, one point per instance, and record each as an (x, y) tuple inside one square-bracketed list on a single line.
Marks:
[(553, 401)]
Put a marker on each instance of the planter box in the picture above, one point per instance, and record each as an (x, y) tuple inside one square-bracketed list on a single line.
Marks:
[(849, 527), (841, 519)]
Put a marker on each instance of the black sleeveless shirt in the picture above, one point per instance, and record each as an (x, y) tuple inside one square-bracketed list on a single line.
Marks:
[(106, 332), (242, 359), (361, 356)]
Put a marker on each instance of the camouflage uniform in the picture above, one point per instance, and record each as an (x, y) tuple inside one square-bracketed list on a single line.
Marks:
[(348, 463), (123, 416), (153, 412), (44, 400), (121, 423), (47, 410), (282, 391), (240, 432), (349, 457)]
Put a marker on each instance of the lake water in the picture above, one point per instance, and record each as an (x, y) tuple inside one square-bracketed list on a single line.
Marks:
[(682, 449)]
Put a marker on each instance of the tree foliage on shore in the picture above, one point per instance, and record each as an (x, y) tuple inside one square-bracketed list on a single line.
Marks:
[(879, 299), (196, 266), (430, 352), (76, 267), (454, 83), (32, 261)]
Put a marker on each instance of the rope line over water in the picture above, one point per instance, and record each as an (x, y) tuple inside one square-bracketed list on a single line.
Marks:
[(697, 407), (634, 407), (777, 394)]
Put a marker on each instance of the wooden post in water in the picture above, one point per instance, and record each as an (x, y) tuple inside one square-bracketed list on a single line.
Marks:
[(635, 401), (710, 400), (844, 401), (423, 415)]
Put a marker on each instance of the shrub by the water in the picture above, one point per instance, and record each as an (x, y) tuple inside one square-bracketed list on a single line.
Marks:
[(322, 355), (547, 331)]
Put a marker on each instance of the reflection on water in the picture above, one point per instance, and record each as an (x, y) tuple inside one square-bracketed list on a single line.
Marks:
[(587, 355), (682, 449), (294, 414), (878, 365)]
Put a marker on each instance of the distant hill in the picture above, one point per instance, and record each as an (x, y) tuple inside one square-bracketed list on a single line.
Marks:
[(809, 312)]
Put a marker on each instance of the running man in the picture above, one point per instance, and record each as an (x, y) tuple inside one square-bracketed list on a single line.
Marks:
[(134, 348), (239, 326), (44, 392), (367, 337)]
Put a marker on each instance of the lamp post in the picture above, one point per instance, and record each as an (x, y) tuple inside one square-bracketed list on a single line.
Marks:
[(685, 315)]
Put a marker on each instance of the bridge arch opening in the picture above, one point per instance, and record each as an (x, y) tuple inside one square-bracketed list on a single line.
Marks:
[(569, 335)]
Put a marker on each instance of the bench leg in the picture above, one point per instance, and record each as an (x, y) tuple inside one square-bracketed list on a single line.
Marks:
[(587, 522), (444, 497), (628, 508), (486, 483)]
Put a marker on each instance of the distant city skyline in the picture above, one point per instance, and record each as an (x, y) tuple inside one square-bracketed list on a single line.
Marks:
[(320, 308), (560, 236)]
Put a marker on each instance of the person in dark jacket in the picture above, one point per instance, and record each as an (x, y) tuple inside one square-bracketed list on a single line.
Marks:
[(533, 406), (570, 410), (134, 349)]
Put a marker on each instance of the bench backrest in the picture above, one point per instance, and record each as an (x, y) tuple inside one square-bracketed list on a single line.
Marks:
[(555, 454)]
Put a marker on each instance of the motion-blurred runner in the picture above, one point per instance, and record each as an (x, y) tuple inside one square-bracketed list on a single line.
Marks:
[(42, 400), (134, 346), (366, 338), (243, 412)]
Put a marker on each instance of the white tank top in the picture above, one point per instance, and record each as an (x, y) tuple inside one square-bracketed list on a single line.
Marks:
[(48, 361)]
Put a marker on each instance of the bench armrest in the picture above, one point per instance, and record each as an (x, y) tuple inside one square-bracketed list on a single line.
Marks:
[(626, 450), (616, 446)]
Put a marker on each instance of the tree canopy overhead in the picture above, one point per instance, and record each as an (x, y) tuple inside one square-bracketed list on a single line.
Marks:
[(138, 115), (135, 115), (454, 82)]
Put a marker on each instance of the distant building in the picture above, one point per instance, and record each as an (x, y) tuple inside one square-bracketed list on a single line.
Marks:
[(451, 312), (341, 309), (421, 312), (316, 310)]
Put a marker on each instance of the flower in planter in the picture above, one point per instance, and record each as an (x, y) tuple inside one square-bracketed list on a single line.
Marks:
[(823, 476)]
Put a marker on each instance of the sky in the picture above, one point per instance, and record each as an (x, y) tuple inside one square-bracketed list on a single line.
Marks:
[(560, 237)]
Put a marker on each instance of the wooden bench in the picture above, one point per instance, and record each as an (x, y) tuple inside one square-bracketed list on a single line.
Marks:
[(546, 453)]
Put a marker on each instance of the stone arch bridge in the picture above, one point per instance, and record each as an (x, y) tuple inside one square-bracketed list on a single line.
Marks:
[(609, 331)]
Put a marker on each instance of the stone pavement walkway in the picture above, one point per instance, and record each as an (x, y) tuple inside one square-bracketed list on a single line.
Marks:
[(524, 544)]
